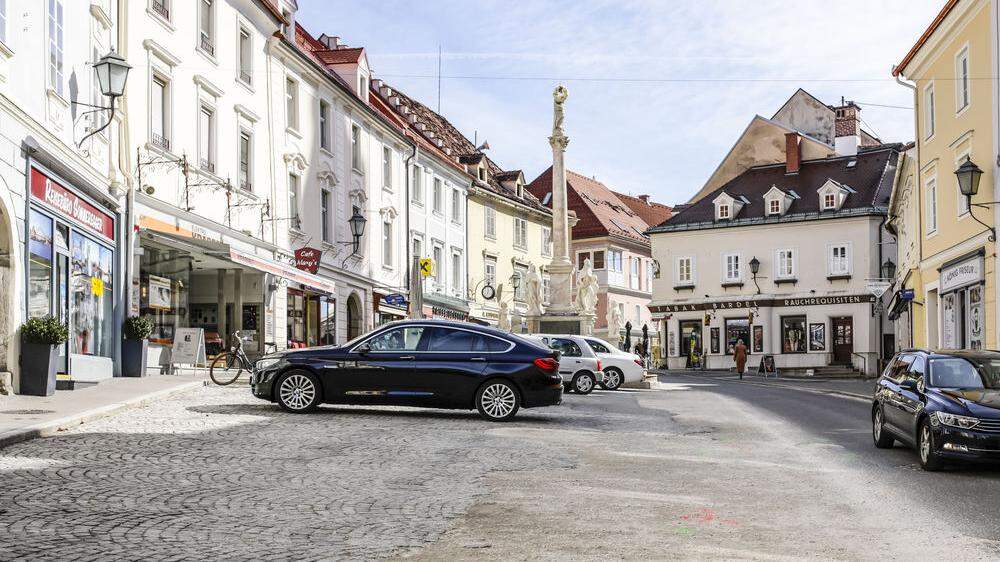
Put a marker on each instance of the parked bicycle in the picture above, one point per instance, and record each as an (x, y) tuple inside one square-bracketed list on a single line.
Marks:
[(227, 367)]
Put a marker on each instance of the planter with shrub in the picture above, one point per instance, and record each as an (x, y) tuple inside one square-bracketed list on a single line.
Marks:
[(40, 341), (136, 330)]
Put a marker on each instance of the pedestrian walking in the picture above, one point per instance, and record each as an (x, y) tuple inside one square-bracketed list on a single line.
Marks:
[(740, 356)]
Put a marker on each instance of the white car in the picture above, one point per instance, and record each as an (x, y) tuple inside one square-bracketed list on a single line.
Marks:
[(619, 366), (578, 364)]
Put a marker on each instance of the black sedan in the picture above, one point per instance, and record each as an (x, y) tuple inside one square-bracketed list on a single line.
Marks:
[(432, 363), (946, 404)]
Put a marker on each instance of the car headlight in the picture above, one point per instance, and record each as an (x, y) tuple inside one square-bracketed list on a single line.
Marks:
[(964, 422), (265, 363)]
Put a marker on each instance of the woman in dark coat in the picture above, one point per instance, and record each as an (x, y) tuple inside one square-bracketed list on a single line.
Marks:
[(740, 356)]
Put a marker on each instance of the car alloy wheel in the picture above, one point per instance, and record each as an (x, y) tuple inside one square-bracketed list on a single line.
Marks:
[(612, 379), (297, 392), (583, 383), (929, 459), (882, 439), (497, 401)]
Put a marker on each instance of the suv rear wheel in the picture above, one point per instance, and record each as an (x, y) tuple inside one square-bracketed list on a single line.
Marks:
[(882, 438)]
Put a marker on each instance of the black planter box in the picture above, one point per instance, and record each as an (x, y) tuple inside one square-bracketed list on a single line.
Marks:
[(38, 369), (134, 358)]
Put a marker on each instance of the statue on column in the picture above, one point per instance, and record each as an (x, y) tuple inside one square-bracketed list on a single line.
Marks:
[(614, 319), (534, 291), (586, 288), (559, 97)]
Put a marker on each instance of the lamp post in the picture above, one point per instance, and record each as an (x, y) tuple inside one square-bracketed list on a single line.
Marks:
[(888, 270), (968, 175), (357, 222), (754, 268), (112, 73)]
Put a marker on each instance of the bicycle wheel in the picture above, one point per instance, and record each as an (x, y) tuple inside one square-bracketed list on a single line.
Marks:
[(225, 369)]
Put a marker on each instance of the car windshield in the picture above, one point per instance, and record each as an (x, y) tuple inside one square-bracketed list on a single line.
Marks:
[(961, 372)]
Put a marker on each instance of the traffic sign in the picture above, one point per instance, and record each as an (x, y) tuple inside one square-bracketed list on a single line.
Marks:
[(395, 299), (878, 288), (426, 267)]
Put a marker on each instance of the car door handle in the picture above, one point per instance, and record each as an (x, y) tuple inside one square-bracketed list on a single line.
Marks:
[(478, 359), (407, 357)]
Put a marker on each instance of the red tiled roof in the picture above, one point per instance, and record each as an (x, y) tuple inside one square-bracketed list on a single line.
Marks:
[(599, 210), (651, 212), (340, 56)]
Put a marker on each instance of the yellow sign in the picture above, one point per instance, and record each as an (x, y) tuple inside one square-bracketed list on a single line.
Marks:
[(426, 267), (97, 286)]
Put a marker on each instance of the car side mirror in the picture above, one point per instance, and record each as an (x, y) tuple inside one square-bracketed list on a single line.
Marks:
[(364, 349), (909, 384)]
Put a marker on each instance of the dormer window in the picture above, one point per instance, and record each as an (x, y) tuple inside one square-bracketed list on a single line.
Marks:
[(829, 201), (482, 174), (727, 207), (723, 211), (774, 207)]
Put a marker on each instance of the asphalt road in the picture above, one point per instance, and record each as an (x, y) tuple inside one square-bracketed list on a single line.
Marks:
[(965, 495)]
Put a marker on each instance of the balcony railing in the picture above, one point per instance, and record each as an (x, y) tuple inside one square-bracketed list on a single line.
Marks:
[(207, 45), (246, 186), (207, 165), (160, 141), (160, 7), (245, 77)]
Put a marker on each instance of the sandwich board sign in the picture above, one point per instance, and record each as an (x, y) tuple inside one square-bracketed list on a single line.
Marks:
[(188, 347), (767, 367)]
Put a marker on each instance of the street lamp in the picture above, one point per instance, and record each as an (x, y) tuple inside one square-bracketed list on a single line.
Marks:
[(968, 175), (888, 269), (754, 268), (357, 222), (112, 72)]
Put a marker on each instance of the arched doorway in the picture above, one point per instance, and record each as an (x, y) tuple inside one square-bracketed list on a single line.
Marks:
[(9, 302), (355, 316)]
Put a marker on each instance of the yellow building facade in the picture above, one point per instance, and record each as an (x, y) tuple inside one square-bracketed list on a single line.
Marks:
[(508, 234), (951, 70)]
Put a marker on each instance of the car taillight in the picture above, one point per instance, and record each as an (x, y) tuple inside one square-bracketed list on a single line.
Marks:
[(598, 364), (547, 364), (638, 362)]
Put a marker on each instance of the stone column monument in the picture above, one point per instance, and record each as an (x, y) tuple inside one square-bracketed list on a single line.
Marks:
[(562, 315)]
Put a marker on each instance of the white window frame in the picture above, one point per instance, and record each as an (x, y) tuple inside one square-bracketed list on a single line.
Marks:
[(613, 260), (325, 214), (291, 103), (387, 249), (723, 211), (684, 265), (726, 277), (931, 209), (520, 233), (437, 253), (490, 222), (456, 271), (770, 203), (490, 277), (438, 196), (244, 66), (3, 22), (386, 168), (357, 156), (212, 135), (929, 111), (417, 193), (324, 126), (830, 261), (294, 194), (417, 245), (456, 206), (829, 206), (206, 33), (164, 6), (55, 32), (781, 258), (963, 83), (165, 124), (241, 132), (634, 270)]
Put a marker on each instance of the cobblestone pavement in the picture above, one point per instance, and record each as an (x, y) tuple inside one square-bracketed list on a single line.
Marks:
[(215, 474)]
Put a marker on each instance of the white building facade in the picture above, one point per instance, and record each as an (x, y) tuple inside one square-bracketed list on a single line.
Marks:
[(63, 220)]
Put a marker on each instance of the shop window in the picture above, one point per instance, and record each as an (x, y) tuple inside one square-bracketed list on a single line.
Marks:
[(793, 334), (737, 329), (39, 265), (91, 291)]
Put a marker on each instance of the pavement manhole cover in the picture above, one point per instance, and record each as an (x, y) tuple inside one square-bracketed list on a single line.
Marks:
[(26, 412)]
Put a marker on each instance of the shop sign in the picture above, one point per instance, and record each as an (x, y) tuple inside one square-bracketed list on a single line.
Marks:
[(97, 286), (66, 202), (307, 259), (395, 299), (750, 304), (962, 274), (442, 312), (906, 294), (159, 293)]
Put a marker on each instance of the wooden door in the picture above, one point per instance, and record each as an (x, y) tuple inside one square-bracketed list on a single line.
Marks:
[(843, 339)]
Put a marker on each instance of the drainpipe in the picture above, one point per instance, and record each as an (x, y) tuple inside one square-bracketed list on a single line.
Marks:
[(995, 31), (407, 265), (919, 192)]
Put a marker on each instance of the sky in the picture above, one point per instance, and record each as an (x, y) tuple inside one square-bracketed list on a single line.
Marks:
[(659, 90)]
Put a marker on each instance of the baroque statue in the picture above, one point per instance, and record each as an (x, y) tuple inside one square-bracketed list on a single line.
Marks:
[(586, 288), (559, 97), (533, 291), (503, 320)]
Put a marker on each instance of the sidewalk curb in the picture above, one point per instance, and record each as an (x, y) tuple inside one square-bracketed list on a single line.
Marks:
[(48, 428)]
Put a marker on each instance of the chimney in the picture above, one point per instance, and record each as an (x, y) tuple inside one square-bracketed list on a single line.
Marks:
[(644, 199), (793, 156), (331, 42), (847, 128)]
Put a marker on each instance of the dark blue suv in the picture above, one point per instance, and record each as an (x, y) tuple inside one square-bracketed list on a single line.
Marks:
[(944, 403)]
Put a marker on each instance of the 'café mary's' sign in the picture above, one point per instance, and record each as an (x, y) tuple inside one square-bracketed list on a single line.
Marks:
[(307, 259)]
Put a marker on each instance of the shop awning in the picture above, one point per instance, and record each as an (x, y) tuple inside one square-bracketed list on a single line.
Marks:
[(286, 271)]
